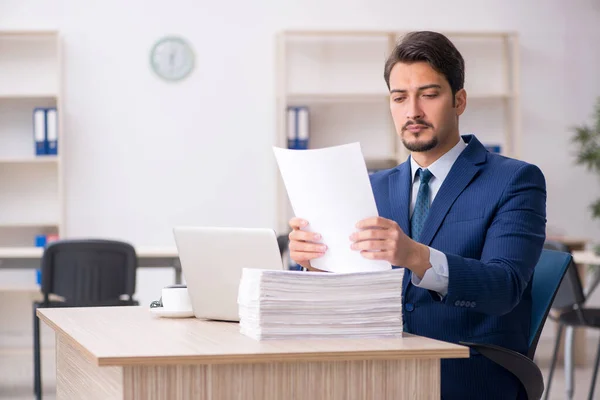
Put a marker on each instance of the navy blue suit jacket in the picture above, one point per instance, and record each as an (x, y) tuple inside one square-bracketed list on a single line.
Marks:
[(489, 219)]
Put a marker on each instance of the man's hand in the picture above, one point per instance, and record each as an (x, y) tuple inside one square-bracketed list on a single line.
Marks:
[(304, 246), (382, 239)]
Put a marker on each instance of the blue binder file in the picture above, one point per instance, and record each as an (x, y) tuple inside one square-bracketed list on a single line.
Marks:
[(39, 131), (494, 148), (303, 127), (51, 131), (298, 128), (40, 241)]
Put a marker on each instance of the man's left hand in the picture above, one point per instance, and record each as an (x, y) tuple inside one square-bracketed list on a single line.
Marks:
[(382, 239)]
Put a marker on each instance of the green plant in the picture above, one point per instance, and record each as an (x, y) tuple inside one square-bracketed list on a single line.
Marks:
[(587, 141)]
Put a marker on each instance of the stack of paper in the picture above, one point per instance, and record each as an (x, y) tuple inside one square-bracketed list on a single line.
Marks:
[(293, 304)]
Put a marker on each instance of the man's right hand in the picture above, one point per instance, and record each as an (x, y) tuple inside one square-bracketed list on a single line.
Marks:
[(304, 246)]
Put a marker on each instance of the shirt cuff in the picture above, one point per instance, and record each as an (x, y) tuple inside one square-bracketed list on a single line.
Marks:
[(436, 277)]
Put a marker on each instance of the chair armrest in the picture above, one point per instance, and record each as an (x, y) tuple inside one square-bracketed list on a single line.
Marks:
[(519, 365)]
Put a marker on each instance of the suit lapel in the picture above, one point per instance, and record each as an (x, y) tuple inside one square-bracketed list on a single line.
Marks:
[(465, 168), (400, 189)]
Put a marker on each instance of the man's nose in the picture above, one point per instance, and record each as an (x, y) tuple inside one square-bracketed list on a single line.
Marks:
[(414, 110)]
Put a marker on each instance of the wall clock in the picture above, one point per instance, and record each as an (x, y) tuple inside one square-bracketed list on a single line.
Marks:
[(172, 58)]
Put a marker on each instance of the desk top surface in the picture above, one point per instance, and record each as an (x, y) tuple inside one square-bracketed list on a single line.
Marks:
[(36, 252), (586, 257), (133, 336)]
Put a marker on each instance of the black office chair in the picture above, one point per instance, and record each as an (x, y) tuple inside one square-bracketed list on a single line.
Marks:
[(84, 273), (283, 243), (570, 304)]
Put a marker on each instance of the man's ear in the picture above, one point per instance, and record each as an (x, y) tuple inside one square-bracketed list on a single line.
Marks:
[(460, 101)]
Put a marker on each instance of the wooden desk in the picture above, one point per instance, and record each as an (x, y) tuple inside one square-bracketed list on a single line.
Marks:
[(586, 257), (572, 243), (148, 257), (127, 353)]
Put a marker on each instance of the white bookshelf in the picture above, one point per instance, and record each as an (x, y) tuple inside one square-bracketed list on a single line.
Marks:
[(338, 75), (31, 199)]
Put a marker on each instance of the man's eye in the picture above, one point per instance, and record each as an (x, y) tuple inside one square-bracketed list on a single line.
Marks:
[(398, 99), (430, 95)]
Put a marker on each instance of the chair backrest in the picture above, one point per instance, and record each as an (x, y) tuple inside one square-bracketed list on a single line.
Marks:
[(547, 277), (89, 272), (570, 293), (282, 242)]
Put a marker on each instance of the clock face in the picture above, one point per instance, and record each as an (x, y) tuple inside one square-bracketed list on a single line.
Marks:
[(172, 58)]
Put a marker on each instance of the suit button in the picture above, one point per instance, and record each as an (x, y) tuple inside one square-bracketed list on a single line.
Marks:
[(472, 304), (467, 304), (457, 303), (409, 307), (462, 303)]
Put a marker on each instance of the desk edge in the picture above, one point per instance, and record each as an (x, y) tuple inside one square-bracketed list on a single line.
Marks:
[(58, 330), (458, 351)]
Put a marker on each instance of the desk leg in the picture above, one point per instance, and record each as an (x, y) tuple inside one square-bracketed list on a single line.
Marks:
[(375, 380), (78, 378)]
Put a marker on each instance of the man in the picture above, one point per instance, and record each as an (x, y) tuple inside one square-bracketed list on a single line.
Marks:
[(468, 225)]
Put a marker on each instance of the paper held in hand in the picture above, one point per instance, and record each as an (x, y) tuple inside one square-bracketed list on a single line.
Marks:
[(330, 188)]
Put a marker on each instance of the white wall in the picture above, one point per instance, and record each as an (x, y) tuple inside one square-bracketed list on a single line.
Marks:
[(143, 156)]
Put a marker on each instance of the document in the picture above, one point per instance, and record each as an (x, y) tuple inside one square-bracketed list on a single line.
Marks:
[(330, 189)]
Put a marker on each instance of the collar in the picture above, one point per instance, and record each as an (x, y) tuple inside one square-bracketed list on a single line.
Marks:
[(441, 167)]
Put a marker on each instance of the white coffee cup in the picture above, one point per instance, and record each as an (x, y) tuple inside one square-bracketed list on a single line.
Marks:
[(176, 298)]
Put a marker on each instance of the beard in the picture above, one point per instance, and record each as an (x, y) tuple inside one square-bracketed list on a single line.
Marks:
[(419, 147)]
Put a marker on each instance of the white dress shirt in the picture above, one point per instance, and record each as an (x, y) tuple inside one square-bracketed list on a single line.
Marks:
[(436, 277)]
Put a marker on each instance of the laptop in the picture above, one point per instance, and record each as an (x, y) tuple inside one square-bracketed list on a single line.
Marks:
[(212, 260)]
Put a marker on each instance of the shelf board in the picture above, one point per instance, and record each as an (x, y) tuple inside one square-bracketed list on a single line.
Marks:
[(295, 98), (20, 33), (489, 96), (380, 163), (395, 33), (20, 287), (479, 34), (25, 96), (30, 160), (45, 224), (21, 252), (337, 97), (329, 33)]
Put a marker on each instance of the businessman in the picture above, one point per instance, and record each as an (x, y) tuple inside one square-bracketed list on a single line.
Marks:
[(468, 225)]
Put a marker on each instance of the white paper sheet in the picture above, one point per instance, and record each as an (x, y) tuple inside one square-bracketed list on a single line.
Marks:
[(330, 189)]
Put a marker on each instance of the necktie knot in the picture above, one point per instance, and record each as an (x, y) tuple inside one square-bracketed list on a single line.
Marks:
[(424, 175)]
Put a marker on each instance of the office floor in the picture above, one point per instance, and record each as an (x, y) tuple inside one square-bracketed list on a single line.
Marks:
[(16, 378)]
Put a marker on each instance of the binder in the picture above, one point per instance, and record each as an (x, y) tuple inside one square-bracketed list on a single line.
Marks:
[(494, 148), (40, 241), (303, 127), (51, 131), (39, 131), (292, 127), (298, 127)]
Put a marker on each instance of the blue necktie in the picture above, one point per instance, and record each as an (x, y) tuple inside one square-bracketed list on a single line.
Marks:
[(421, 205)]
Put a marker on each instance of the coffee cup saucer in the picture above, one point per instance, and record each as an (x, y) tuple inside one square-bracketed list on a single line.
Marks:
[(161, 312)]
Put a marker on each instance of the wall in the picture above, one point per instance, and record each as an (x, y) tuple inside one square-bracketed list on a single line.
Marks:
[(143, 156)]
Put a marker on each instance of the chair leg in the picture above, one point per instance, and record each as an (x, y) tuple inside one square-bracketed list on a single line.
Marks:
[(554, 358), (37, 373), (569, 364), (595, 374)]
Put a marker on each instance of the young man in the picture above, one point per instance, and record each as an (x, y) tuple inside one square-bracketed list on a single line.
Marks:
[(468, 225)]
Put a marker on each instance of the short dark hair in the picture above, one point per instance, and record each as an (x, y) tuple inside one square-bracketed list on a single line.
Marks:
[(435, 49)]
